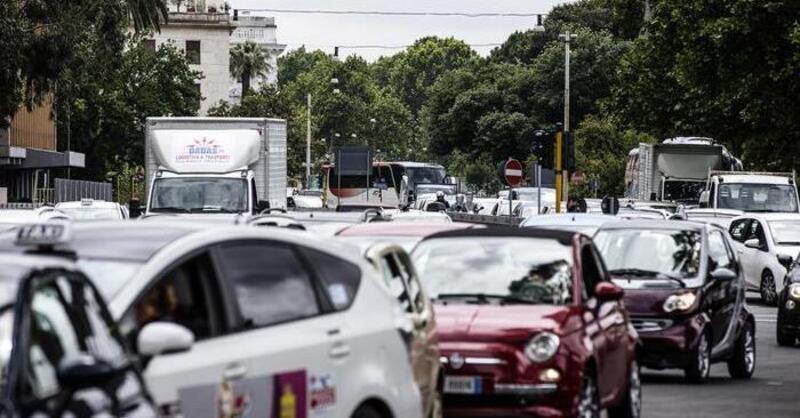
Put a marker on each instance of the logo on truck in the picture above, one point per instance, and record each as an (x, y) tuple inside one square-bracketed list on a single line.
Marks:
[(203, 150)]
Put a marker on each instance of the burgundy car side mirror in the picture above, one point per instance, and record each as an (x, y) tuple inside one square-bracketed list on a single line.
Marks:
[(607, 291)]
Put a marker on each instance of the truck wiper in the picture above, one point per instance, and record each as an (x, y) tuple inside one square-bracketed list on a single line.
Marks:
[(171, 209)]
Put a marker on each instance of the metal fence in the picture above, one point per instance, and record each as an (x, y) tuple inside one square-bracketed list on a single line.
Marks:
[(73, 190)]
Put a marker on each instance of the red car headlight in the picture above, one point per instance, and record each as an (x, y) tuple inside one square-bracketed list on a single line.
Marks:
[(542, 347)]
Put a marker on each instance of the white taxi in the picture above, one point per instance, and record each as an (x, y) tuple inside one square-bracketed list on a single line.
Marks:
[(232, 319)]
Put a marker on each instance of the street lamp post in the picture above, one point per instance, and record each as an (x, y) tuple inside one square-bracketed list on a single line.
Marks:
[(567, 38)]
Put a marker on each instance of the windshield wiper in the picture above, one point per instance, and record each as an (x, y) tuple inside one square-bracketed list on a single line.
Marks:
[(484, 298), (647, 274), (171, 209)]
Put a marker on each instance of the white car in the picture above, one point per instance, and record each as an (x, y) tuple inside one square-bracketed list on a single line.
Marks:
[(585, 223), (233, 318), (10, 218), (767, 244), (93, 210)]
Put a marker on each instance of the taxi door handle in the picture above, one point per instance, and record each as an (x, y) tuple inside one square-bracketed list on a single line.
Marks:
[(339, 350), (235, 372)]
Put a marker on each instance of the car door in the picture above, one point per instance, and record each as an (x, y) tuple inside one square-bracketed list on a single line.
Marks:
[(720, 295), (609, 326), (758, 257), (741, 231), (187, 293), (425, 350), (292, 335), (65, 321)]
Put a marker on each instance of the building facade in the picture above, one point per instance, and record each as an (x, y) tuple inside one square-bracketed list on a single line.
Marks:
[(29, 159), (262, 31), (202, 30)]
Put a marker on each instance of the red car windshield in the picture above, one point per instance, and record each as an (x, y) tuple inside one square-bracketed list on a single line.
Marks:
[(496, 269)]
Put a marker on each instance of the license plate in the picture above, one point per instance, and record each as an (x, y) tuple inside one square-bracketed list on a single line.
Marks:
[(463, 385)]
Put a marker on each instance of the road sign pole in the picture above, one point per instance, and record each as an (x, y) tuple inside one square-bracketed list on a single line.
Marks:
[(539, 189)]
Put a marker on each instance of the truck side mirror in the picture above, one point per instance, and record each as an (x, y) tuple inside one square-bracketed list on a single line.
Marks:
[(705, 198), (262, 205)]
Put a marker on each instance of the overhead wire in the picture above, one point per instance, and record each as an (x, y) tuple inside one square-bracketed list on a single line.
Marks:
[(397, 13)]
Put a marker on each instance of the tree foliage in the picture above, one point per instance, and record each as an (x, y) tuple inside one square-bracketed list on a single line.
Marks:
[(248, 60)]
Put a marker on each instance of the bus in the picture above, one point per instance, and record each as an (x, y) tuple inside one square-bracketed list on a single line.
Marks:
[(389, 185)]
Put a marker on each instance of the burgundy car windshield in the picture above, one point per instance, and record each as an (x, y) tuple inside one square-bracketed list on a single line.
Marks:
[(646, 252), (496, 270)]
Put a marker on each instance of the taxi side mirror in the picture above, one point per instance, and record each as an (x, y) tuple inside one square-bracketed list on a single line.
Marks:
[(753, 243), (158, 338), (723, 275), (607, 292), (85, 371)]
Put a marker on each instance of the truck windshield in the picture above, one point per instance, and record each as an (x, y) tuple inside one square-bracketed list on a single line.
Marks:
[(750, 197), (199, 195)]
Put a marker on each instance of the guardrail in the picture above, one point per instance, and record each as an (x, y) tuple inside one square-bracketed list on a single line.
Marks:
[(485, 219)]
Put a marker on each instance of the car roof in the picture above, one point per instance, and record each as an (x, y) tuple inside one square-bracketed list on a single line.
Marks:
[(654, 224), (563, 237), (120, 240), (407, 229), (589, 219)]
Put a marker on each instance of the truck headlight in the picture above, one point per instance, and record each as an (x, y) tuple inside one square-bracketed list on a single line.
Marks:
[(794, 291), (542, 347), (680, 302)]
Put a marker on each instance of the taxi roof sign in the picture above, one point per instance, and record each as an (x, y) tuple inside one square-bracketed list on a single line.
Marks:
[(43, 234)]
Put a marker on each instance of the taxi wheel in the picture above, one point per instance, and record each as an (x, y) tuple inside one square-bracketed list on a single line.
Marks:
[(589, 402), (743, 363), (700, 365), (631, 406), (769, 295), (366, 411)]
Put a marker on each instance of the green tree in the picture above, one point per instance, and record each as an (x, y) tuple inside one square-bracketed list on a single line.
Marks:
[(248, 60), (41, 40), (726, 70)]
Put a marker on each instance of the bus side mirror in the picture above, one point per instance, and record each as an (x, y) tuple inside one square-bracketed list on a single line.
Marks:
[(705, 198)]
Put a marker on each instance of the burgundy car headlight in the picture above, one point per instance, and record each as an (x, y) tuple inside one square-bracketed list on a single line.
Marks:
[(680, 302), (542, 347)]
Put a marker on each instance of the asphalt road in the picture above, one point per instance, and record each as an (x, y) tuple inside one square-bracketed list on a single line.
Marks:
[(774, 390)]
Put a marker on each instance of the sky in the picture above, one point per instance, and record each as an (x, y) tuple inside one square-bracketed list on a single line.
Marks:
[(324, 31)]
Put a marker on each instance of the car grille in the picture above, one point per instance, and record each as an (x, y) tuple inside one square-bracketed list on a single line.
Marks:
[(651, 324)]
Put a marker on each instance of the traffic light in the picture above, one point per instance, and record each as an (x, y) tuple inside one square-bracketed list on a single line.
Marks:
[(569, 152), (544, 149)]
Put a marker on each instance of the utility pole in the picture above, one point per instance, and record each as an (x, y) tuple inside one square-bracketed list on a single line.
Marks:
[(308, 141), (567, 38)]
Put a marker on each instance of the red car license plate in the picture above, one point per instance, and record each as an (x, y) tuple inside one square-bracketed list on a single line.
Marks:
[(462, 385)]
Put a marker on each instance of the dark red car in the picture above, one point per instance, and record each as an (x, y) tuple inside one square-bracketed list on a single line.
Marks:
[(685, 291), (529, 325)]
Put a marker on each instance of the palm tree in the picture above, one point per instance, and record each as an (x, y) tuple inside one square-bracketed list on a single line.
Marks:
[(147, 14), (248, 60)]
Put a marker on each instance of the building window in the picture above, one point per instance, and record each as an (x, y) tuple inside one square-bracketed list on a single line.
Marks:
[(149, 44), (193, 52)]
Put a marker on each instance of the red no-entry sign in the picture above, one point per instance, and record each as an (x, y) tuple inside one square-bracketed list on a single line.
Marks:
[(512, 171)]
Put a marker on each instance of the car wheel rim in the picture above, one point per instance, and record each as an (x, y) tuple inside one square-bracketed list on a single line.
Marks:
[(703, 360), (635, 391), (749, 350), (768, 291), (587, 408)]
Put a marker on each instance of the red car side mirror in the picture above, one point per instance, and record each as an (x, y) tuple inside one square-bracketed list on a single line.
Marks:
[(607, 291)]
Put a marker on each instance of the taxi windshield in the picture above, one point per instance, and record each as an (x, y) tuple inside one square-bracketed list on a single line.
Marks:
[(496, 269), (108, 275), (91, 214), (646, 253)]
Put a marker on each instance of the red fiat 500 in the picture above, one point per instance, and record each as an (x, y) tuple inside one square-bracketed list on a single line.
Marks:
[(529, 325)]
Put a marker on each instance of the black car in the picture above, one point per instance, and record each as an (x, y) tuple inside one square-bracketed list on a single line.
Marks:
[(685, 292), (788, 328), (60, 353)]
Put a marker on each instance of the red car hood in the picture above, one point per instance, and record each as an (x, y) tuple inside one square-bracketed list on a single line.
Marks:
[(492, 322)]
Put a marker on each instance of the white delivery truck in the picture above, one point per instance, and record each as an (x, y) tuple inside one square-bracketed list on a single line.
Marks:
[(751, 192), (675, 170), (214, 166)]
